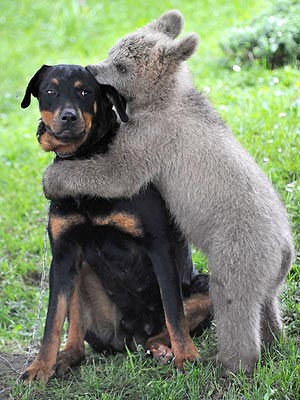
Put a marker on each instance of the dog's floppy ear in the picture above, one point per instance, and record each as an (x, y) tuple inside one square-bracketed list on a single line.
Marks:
[(117, 100), (33, 85)]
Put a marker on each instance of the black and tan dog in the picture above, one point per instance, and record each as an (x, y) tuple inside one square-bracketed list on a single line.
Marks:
[(119, 267)]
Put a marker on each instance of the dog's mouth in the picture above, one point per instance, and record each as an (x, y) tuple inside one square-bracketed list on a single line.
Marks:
[(63, 143), (66, 136)]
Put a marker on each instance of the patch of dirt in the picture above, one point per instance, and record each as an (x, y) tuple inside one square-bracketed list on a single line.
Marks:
[(11, 366)]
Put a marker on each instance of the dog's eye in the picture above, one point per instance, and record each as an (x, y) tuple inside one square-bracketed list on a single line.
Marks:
[(84, 93), (51, 92), (121, 68)]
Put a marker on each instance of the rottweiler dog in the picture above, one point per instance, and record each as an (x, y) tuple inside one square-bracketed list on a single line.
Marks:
[(120, 272)]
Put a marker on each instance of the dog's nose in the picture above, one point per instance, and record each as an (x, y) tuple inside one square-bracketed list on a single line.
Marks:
[(92, 69), (68, 116)]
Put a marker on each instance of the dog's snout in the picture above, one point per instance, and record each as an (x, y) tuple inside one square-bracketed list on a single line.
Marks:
[(68, 116)]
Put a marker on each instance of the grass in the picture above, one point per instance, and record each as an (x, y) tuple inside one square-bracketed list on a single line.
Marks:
[(262, 107)]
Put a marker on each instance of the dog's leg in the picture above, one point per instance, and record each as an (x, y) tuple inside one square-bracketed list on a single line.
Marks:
[(74, 352), (159, 347), (62, 272), (197, 309), (166, 272)]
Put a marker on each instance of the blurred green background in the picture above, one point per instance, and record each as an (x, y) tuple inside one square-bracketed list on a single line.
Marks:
[(261, 106)]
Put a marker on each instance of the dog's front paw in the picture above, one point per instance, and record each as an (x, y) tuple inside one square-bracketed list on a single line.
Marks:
[(38, 371), (161, 353), (67, 359), (188, 353)]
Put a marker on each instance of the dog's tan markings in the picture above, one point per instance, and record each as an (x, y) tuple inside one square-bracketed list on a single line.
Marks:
[(55, 81), (47, 117), (50, 118), (42, 367), (88, 119), (169, 344), (95, 297), (78, 84), (73, 353), (197, 308), (159, 346), (101, 315), (95, 107), (76, 328), (70, 148), (50, 143), (60, 316), (61, 224), (182, 345), (124, 221)]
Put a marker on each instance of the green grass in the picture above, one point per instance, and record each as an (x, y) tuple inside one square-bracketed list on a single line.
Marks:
[(262, 107)]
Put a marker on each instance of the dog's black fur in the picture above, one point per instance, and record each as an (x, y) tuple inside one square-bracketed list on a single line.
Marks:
[(119, 267)]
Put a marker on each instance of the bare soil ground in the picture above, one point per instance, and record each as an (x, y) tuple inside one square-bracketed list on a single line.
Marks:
[(11, 366)]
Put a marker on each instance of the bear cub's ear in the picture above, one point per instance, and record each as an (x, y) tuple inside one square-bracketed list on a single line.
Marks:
[(170, 23), (182, 49)]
